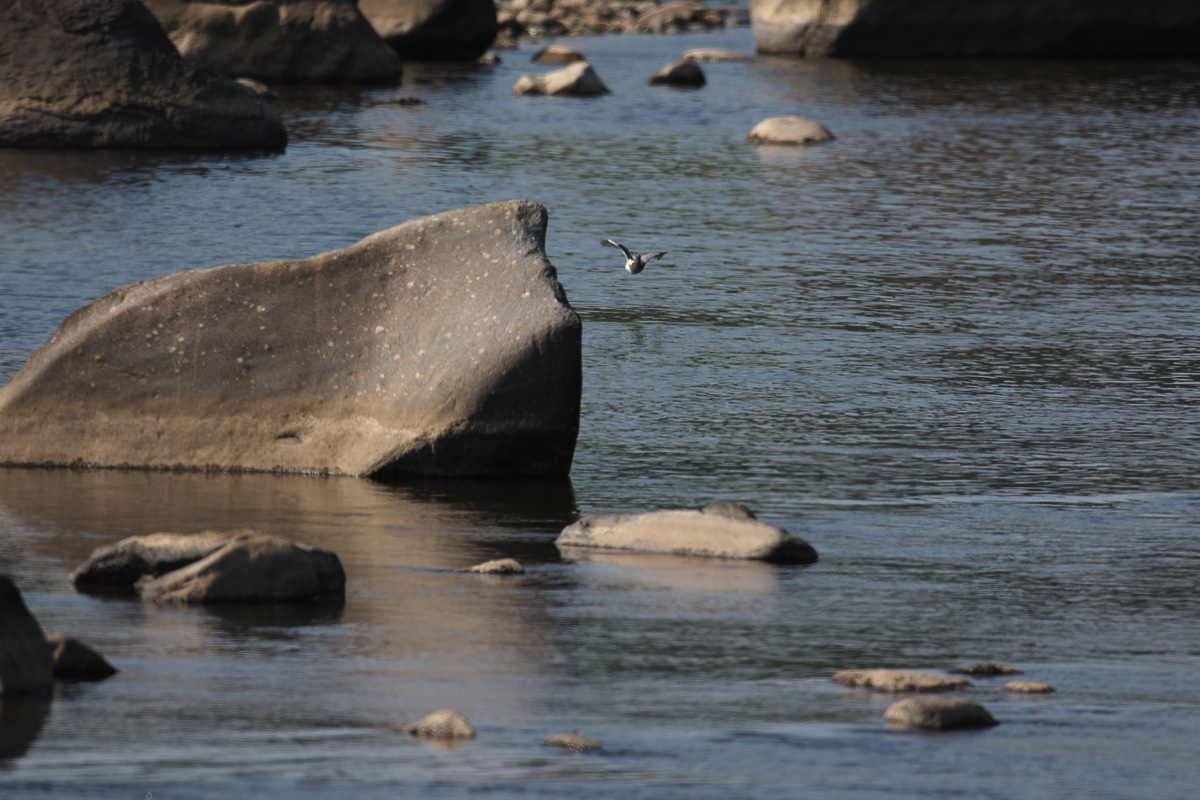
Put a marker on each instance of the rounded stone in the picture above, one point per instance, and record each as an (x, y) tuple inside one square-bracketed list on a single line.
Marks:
[(681, 73), (499, 566), (1028, 687), (557, 54), (574, 740), (789, 130), (892, 680), (444, 723), (938, 714)]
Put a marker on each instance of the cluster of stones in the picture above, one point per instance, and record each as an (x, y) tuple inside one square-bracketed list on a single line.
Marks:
[(532, 18)]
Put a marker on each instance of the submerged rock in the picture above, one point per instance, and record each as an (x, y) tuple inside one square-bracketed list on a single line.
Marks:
[(75, 661), (789, 131), (434, 30), (892, 680), (575, 741), (576, 80), (103, 74), (557, 54), (681, 73), (1028, 687), (988, 669), (443, 346), (938, 714), (123, 564), (712, 55), (442, 724), (500, 566), (280, 41), (26, 661), (713, 533)]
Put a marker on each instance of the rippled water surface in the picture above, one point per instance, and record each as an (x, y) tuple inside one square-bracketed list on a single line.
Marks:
[(956, 349)]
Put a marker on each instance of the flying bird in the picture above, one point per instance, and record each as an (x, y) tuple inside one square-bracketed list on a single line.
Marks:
[(634, 262)]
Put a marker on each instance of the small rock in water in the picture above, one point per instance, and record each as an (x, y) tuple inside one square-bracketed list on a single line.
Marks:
[(713, 54), (894, 680), (575, 80), (75, 661), (488, 58), (572, 741), (681, 73), (789, 131), (988, 668), (1028, 687), (499, 566), (938, 714), (121, 565), (442, 724), (557, 54)]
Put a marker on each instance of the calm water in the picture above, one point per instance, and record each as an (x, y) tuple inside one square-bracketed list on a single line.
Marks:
[(956, 350)]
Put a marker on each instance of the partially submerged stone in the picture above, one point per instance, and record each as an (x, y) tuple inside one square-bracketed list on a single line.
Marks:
[(712, 55), (1028, 687), (988, 668), (442, 724), (75, 661), (434, 30), (892, 680), (253, 569), (443, 346), (937, 714), (574, 740), (681, 73), (715, 534), (575, 80), (789, 130), (103, 74), (499, 566), (557, 54), (26, 661), (121, 565)]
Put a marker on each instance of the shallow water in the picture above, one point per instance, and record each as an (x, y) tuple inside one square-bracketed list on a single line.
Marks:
[(955, 349)]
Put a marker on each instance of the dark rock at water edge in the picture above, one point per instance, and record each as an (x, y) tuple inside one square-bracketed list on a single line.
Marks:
[(103, 74), (26, 662), (983, 28), (443, 346), (988, 668), (434, 30), (280, 41), (120, 566), (937, 714), (75, 661), (681, 73)]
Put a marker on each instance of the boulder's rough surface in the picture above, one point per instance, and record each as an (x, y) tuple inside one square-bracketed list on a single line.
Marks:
[(689, 533), (434, 30), (891, 680), (937, 713), (253, 569), (500, 566), (443, 346), (976, 28), (280, 41), (708, 55), (442, 724), (988, 668), (681, 73), (557, 54), (102, 74), (75, 661), (536, 18), (1028, 687), (572, 741), (575, 80), (26, 662), (789, 130), (121, 565)]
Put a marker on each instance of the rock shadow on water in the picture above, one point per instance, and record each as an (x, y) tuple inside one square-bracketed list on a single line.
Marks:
[(271, 620), (21, 720)]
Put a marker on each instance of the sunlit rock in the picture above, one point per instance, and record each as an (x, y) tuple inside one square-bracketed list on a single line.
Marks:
[(1028, 687), (575, 741), (937, 713), (681, 73), (575, 80), (499, 566), (75, 661), (121, 565), (434, 30), (557, 54), (789, 130), (712, 55), (26, 662), (892, 680), (442, 724)]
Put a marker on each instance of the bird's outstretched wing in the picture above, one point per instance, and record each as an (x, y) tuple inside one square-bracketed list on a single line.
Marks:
[(652, 256), (618, 245)]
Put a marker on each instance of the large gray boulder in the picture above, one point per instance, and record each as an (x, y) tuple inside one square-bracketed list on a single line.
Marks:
[(443, 346), (280, 41), (253, 569), (102, 73), (977, 28), (26, 662), (120, 566), (434, 30), (725, 531), (937, 714)]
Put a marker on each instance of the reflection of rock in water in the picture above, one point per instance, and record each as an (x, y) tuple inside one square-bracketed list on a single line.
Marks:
[(21, 720)]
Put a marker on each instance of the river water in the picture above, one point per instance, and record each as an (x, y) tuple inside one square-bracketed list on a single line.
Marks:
[(955, 349)]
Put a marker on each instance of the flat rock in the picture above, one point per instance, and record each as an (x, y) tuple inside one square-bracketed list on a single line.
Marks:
[(499, 566), (937, 713), (121, 565), (443, 346), (434, 30), (789, 130), (988, 668), (557, 54), (574, 80), (280, 41), (442, 724), (75, 661), (708, 55), (572, 741), (681, 73), (103, 74), (714, 534), (257, 569), (26, 662), (1028, 687), (892, 680)]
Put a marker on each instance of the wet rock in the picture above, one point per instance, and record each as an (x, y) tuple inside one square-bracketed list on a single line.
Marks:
[(443, 346), (988, 669), (253, 569), (26, 663), (575, 741), (75, 661), (789, 131), (258, 87), (443, 724), (937, 714), (1028, 687), (488, 59), (102, 74), (712, 55), (123, 564), (681, 73), (500, 566), (912, 28), (280, 41), (891, 680), (557, 54), (575, 80), (434, 30), (715, 534)]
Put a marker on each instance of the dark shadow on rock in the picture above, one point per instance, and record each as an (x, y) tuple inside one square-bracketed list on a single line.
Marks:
[(21, 721)]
